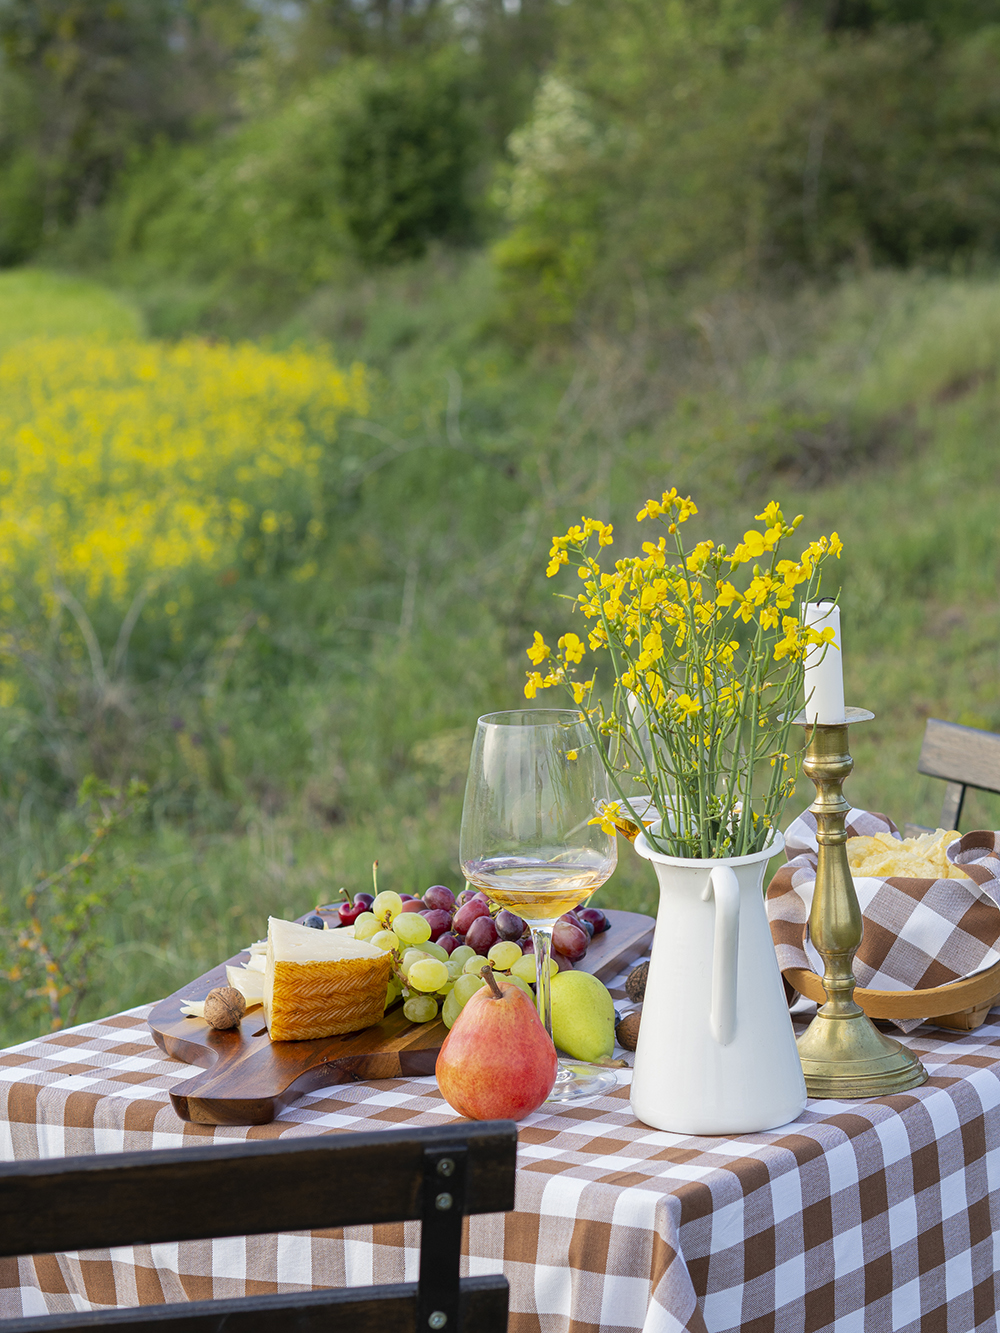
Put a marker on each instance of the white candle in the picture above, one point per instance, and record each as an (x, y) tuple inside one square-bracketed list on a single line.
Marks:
[(824, 679)]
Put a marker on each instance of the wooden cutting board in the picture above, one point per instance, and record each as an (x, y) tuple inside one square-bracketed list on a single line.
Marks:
[(247, 1078)]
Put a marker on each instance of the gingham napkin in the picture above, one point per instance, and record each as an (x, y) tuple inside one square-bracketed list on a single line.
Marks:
[(918, 933)]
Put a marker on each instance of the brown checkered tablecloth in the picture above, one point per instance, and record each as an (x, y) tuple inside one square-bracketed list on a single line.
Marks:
[(868, 1216)]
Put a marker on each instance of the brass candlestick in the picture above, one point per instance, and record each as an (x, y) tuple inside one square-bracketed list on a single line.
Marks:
[(843, 1054)]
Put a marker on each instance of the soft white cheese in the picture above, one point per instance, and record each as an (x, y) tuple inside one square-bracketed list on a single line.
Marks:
[(289, 942)]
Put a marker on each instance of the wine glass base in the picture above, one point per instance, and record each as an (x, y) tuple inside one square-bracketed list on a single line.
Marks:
[(578, 1080)]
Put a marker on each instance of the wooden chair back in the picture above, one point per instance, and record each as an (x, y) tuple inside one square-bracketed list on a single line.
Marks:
[(964, 757), (437, 1175)]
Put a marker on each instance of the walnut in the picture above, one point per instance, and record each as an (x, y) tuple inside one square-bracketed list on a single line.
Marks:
[(627, 1030), (635, 987), (224, 1007)]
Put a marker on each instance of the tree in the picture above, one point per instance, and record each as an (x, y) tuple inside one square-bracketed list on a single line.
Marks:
[(84, 83)]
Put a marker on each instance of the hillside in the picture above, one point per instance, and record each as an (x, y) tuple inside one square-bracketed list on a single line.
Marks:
[(317, 321), (301, 728)]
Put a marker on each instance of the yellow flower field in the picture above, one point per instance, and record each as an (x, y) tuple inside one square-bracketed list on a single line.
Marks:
[(125, 464)]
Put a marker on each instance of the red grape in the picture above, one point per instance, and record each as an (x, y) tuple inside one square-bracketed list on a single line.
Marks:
[(509, 925), (561, 961), (438, 921), (448, 942), (466, 896), (412, 905), (482, 934), (468, 913), (441, 897), (596, 917), (570, 938)]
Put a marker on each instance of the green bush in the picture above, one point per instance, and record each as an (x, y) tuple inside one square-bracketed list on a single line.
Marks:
[(84, 84), (671, 145), (21, 208), (406, 147), (370, 163)]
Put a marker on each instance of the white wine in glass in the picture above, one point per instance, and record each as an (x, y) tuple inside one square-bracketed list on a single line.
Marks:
[(536, 780)]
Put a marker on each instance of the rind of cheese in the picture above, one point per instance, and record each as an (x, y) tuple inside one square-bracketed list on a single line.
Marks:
[(316, 985)]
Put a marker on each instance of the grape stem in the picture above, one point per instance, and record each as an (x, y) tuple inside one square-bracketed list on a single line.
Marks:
[(487, 975)]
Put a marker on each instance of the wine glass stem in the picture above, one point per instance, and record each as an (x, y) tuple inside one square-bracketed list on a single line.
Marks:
[(542, 938)]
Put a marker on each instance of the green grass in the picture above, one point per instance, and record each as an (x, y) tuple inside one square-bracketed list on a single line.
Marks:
[(34, 302), (349, 743)]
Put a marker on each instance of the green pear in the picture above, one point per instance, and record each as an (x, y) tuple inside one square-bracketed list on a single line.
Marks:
[(583, 1016)]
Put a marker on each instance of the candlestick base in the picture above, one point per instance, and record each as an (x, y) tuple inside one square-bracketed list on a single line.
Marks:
[(846, 1057), (843, 1054)]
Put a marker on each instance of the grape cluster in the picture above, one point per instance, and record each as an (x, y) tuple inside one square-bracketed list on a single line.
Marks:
[(440, 944)]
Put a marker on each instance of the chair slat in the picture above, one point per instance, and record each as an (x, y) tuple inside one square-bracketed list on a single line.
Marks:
[(482, 1309), (951, 806), (963, 755), (244, 1189), (914, 830)]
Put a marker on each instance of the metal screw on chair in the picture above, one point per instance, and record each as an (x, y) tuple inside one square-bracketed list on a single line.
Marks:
[(438, 1319), (442, 1203), (445, 1167)]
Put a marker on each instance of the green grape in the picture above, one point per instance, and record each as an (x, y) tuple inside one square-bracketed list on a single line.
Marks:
[(454, 966), (447, 988), (466, 986), (504, 955), (463, 953), (427, 974), (527, 969), (521, 985), (385, 940), (451, 1009), (366, 926), (420, 1008), (387, 906), (410, 957), (412, 928), (392, 991), (475, 965), (434, 950)]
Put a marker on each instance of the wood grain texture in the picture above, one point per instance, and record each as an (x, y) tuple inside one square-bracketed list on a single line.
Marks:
[(249, 1188), (97, 1202), (961, 755), (248, 1078), (483, 1310)]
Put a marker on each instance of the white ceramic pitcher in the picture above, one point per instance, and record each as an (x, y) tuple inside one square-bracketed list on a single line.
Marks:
[(716, 1051)]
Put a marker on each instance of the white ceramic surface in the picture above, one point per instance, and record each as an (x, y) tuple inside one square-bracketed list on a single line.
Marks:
[(716, 1051)]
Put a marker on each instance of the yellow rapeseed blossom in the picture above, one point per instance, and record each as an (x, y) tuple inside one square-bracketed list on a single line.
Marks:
[(707, 660), (126, 464), (539, 650), (572, 647)]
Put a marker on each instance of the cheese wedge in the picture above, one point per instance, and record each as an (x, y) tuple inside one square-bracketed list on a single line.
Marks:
[(249, 982), (319, 983)]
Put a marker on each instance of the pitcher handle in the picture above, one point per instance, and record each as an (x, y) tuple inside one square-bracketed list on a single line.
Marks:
[(724, 887)]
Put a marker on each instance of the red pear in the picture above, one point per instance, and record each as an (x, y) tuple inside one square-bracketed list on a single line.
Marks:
[(497, 1062)]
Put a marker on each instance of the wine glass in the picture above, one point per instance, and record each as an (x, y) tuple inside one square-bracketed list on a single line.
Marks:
[(536, 780)]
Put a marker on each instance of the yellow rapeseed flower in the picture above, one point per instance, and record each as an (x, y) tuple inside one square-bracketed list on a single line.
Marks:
[(539, 650), (572, 648), (131, 464)]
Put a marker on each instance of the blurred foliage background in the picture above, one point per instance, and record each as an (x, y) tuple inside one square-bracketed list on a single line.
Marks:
[(317, 319)]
